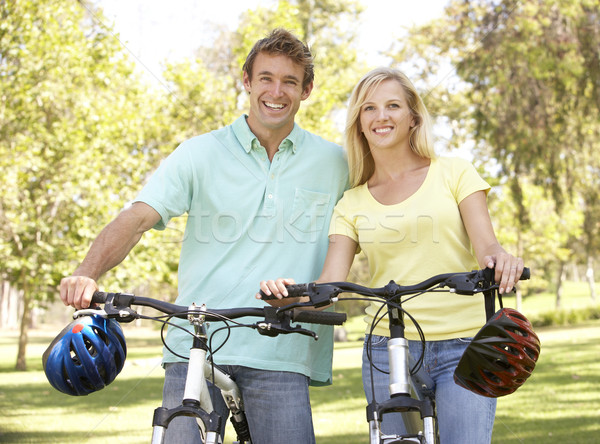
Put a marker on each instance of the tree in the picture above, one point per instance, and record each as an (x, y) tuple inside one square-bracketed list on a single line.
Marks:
[(548, 238), (217, 72), (73, 141), (526, 90)]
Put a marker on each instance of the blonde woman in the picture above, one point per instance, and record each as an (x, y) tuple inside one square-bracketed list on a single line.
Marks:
[(414, 215)]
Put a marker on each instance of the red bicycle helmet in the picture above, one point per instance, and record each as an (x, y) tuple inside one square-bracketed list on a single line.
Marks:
[(501, 356)]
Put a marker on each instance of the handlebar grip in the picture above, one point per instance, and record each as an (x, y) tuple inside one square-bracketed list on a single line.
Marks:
[(319, 317), (99, 297), (266, 297), (295, 290)]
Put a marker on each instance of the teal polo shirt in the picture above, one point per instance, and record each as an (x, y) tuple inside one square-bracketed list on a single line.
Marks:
[(249, 219)]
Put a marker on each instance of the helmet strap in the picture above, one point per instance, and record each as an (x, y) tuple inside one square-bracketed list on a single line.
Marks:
[(490, 302)]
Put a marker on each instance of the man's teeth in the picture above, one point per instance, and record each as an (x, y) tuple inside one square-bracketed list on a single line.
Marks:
[(274, 105)]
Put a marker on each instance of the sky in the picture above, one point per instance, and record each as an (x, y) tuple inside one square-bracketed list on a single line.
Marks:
[(156, 30)]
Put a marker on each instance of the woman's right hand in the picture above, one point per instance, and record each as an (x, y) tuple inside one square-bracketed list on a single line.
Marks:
[(275, 287)]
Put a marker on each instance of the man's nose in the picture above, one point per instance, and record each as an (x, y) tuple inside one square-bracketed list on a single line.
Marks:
[(277, 90)]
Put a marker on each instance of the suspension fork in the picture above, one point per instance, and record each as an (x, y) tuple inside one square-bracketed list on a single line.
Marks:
[(196, 397), (400, 389)]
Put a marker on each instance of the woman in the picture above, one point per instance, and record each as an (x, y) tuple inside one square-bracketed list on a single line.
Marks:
[(414, 215)]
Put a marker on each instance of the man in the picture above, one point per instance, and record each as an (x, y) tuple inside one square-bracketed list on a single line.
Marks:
[(259, 195)]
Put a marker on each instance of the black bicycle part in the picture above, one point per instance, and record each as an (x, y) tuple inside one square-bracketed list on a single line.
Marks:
[(466, 283), (163, 416), (118, 306), (463, 283), (276, 321)]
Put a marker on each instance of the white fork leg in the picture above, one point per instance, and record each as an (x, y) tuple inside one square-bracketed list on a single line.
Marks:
[(429, 430), (158, 435), (375, 431)]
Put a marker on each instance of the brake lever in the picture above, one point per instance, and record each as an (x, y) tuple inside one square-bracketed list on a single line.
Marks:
[(123, 313), (272, 330), (278, 322), (472, 283), (97, 311)]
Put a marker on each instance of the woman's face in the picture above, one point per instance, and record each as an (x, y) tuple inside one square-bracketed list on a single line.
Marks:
[(385, 117)]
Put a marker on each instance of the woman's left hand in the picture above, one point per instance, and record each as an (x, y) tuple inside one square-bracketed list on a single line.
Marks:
[(508, 270)]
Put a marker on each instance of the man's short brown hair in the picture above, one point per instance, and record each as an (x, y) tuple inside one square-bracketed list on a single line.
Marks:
[(282, 42)]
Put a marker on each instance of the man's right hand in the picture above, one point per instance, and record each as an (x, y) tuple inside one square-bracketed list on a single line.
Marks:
[(77, 291)]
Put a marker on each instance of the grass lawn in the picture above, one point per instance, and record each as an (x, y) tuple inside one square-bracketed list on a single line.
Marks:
[(560, 403)]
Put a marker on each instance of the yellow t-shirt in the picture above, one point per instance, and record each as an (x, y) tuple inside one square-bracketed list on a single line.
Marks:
[(416, 239)]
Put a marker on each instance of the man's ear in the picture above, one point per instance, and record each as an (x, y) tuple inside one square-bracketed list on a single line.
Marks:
[(307, 91), (246, 81)]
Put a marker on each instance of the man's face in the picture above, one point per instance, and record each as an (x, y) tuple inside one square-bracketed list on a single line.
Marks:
[(275, 93)]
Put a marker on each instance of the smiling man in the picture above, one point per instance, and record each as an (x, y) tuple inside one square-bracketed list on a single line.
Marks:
[(259, 194)]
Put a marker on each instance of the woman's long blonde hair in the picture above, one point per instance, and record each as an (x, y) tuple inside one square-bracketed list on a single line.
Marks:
[(360, 160)]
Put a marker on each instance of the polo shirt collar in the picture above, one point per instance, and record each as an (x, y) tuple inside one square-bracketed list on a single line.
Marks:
[(246, 137)]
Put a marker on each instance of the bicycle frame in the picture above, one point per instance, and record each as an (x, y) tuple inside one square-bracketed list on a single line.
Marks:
[(196, 401), (196, 398), (411, 395)]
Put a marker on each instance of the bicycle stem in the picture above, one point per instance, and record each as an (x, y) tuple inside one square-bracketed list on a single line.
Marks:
[(398, 355), (400, 385)]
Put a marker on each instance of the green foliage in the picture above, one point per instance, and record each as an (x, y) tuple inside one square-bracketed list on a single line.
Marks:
[(75, 137), (566, 317), (322, 24), (518, 81), (547, 235)]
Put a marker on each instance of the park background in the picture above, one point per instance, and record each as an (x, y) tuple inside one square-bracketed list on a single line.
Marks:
[(86, 116)]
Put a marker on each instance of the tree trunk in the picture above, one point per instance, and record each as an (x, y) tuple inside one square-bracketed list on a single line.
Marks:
[(575, 272), (589, 274), (559, 284), (23, 336)]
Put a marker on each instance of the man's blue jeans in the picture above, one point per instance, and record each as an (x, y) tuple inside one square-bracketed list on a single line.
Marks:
[(277, 405), (463, 417)]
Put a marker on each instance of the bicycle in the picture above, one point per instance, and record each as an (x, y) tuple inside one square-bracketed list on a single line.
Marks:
[(411, 389), (196, 400)]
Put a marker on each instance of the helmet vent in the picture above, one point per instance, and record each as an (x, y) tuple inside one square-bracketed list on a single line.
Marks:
[(90, 347), (74, 356), (102, 334)]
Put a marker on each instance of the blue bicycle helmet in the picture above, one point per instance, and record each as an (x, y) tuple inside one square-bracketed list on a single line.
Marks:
[(86, 356)]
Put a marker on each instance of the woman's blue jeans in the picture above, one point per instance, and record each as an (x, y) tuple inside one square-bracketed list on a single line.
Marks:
[(463, 416), (277, 405)]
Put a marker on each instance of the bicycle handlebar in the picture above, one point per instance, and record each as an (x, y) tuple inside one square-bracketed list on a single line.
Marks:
[(118, 306), (464, 283)]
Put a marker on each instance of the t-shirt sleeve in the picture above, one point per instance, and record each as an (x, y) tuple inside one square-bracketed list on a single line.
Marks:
[(343, 221), (467, 180), (169, 189)]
